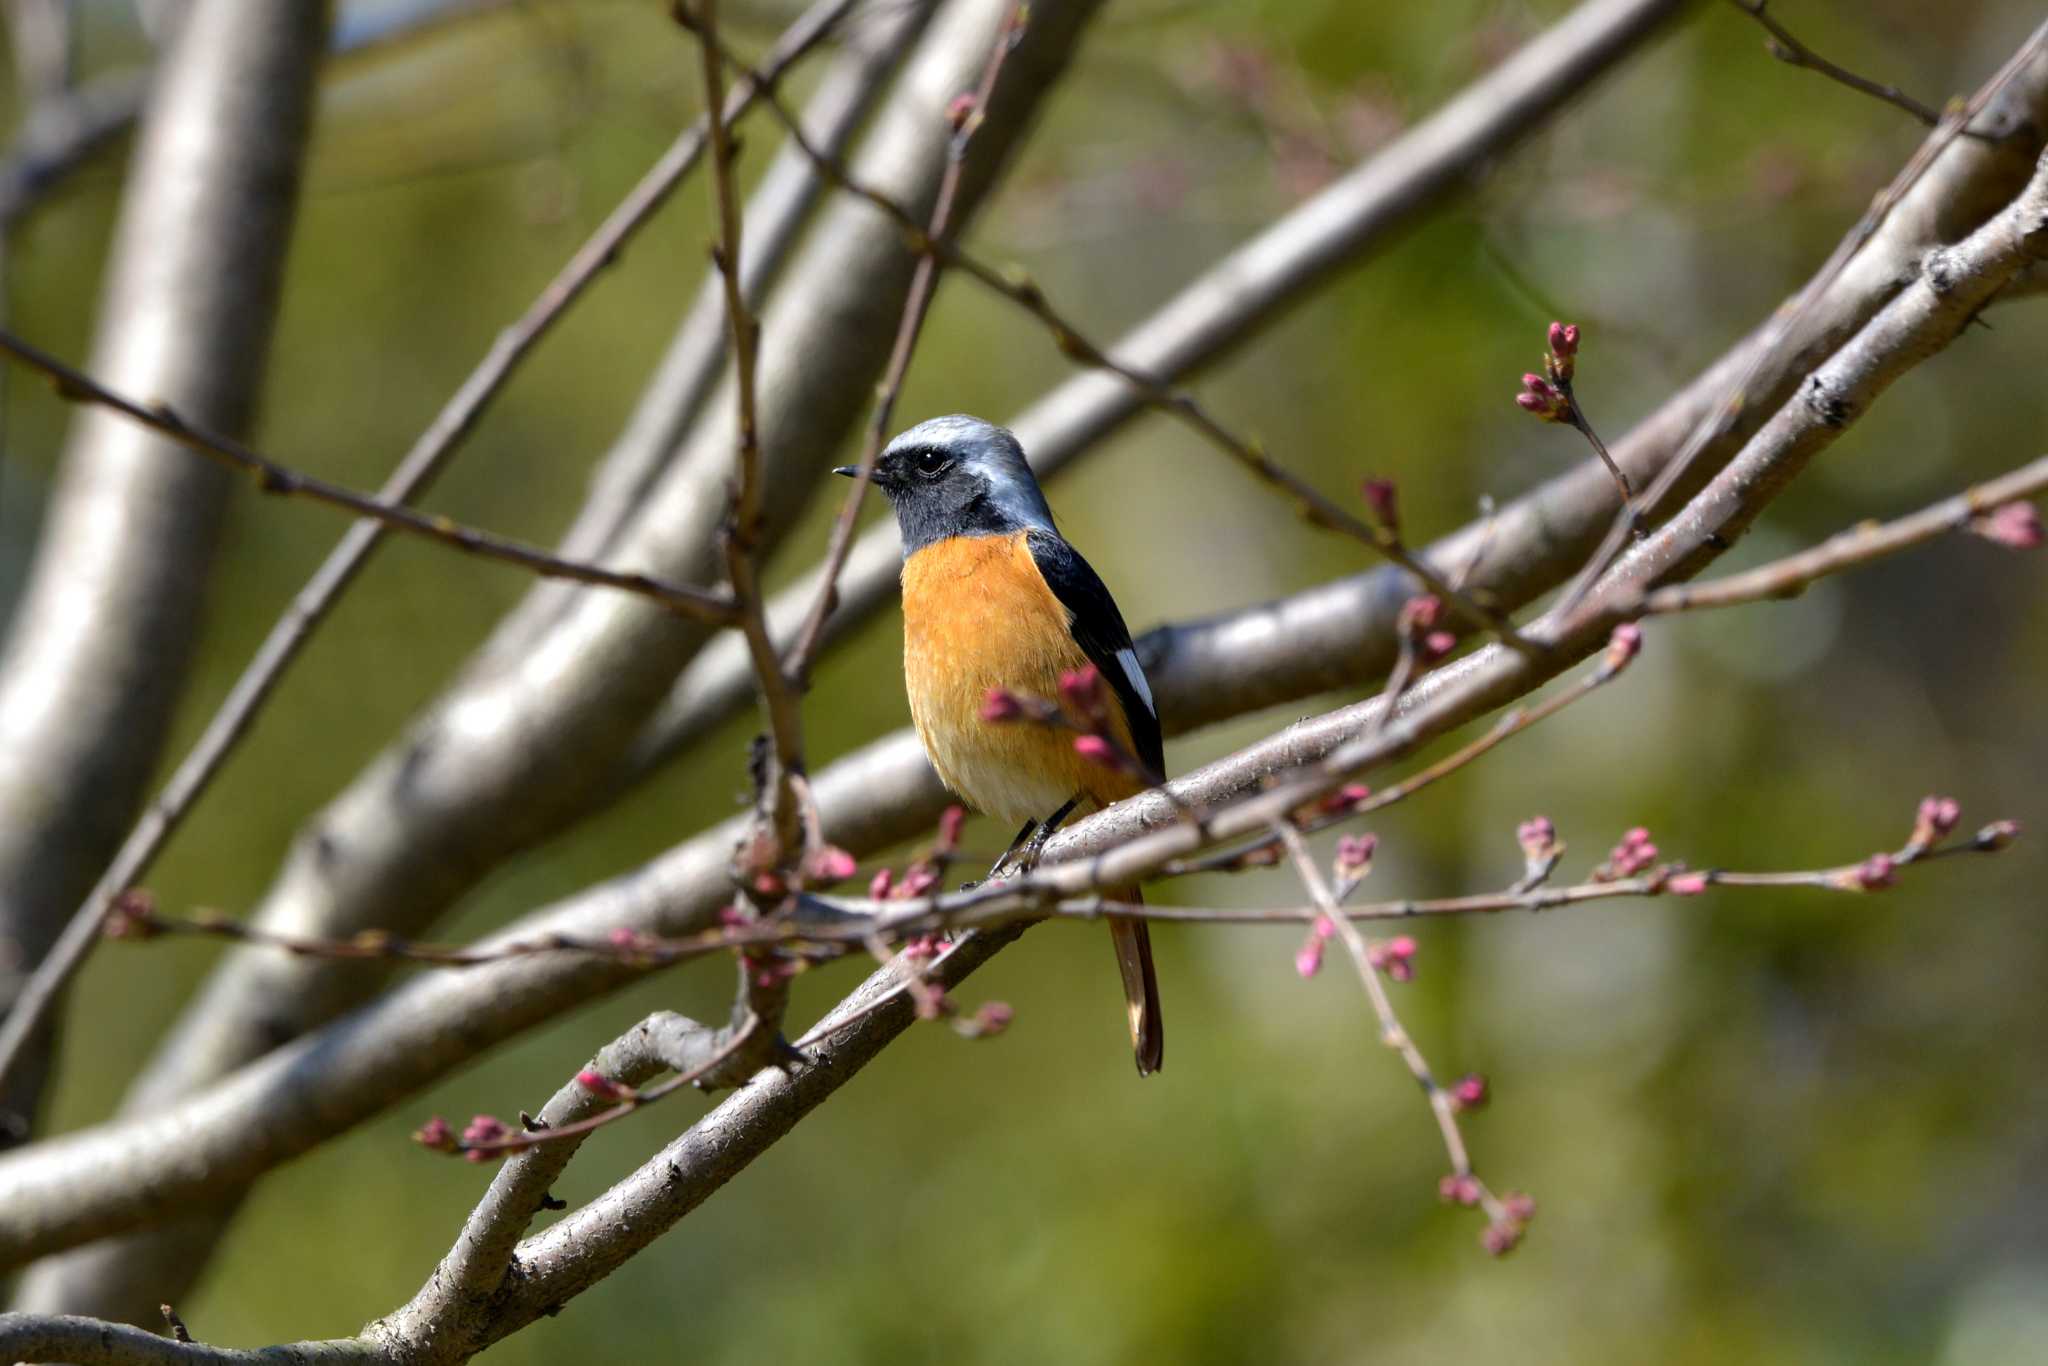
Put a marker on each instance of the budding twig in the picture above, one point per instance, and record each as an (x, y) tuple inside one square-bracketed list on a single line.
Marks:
[(779, 706), (1995, 509)]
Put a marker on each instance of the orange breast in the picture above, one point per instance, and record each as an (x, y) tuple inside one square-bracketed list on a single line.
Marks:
[(978, 615)]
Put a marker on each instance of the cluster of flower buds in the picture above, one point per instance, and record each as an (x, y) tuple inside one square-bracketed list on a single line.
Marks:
[(1541, 849), (1395, 957), (1635, 854), (1504, 1234), (1933, 821), (479, 1140), (1418, 625), (2015, 525), (1354, 858), (1541, 398), (132, 916), (1549, 395)]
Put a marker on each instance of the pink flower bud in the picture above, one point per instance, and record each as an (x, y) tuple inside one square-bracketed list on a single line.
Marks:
[(1082, 689), (827, 864), (1876, 872), (918, 880), (1355, 855), (1501, 1237), (1096, 750), (1469, 1091), (2015, 525), (1346, 798), (1520, 1207), (1459, 1189), (132, 916), (435, 1134), (990, 1020), (1936, 817), (1395, 957), (878, 885), (1686, 884), (484, 1130), (1998, 834), (1308, 959), (1564, 339), (951, 822), (1436, 645), (999, 705), (1633, 855), (601, 1086), (959, 110), (1419, 614), (1383, 499), (1625, 644), (1538, 838), (1541, 398)]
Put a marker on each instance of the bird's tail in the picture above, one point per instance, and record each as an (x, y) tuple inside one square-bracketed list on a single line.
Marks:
[(1133, 942)]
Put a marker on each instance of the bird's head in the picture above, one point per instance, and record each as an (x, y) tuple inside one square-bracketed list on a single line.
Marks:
[(958, 476)]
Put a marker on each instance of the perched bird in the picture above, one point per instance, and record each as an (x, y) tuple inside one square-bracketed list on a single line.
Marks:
[(995, 598)]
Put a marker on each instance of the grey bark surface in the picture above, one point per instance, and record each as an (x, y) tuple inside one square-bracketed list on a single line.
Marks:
[(99, 647)]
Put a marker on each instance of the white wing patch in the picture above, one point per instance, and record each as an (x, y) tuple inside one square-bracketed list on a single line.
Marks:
[(1129, 659)]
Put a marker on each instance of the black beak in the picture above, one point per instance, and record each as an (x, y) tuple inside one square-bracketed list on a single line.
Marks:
[(848, 470)]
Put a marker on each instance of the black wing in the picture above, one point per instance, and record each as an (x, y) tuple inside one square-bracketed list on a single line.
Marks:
[(1100, 631)]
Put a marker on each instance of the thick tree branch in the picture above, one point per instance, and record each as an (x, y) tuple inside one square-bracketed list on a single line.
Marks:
[(98, 651)]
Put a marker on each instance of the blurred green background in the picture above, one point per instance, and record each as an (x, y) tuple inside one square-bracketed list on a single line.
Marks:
[(1772, 1127)]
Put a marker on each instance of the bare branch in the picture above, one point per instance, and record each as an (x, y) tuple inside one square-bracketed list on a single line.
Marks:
[(1791, 51)]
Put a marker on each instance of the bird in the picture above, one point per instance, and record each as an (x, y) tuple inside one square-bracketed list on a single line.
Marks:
[(996, 602)]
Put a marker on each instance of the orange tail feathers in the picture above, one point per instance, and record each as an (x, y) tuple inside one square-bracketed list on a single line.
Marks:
[(1133, 942)]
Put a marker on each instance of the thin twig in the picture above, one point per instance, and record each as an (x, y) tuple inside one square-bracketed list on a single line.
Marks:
[(1792, 52), (271, 477), (1857, 546), (630, 1099), (742, 537), (1392, 1032), (1179, 403), (916, 306)]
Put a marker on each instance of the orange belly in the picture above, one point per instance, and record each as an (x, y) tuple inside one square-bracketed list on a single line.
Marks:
[(978, 615)]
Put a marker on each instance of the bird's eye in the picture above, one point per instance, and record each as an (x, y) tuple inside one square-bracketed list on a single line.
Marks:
[(930, 462)]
